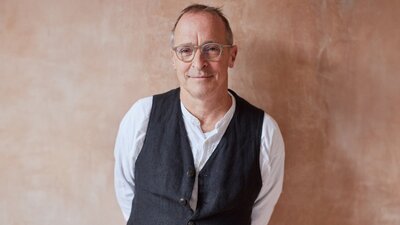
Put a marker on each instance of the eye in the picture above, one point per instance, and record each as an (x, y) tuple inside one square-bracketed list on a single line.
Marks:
[(185, 50), (211, 48)]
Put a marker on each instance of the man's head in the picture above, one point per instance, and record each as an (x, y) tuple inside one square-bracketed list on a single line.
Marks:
[(202, 51), (197, 8)]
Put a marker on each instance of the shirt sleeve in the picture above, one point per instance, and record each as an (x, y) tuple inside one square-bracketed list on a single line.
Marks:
[(272, 157), (129, 142)]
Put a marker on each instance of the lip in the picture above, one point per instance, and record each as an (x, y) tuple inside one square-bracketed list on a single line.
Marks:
[(201, 76)]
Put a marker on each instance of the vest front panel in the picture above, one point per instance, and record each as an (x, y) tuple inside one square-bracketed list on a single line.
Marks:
[(229, 182)]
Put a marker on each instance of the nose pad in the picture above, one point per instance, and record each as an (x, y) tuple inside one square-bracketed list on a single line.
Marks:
[(199, 61)]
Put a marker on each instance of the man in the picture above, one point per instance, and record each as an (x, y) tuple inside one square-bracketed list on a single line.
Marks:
[(199, 154)]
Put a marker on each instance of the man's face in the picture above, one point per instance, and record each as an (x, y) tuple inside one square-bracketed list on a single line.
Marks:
[(201, 78)]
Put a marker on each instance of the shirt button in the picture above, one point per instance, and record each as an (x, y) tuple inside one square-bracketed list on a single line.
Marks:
[(191, 173), (190, 223), (183, 201)]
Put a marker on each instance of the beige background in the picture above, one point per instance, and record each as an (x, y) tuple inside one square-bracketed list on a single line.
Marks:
[(327, 71)]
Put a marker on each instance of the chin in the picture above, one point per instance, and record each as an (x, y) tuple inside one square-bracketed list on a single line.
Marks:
[(198, 92)]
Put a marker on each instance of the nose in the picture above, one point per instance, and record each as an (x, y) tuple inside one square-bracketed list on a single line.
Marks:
[(199, 62)]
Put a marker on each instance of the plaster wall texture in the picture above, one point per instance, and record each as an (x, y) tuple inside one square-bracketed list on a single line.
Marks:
[(326, 70)]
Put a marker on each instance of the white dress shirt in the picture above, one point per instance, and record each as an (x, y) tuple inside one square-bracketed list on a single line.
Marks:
[(132, 132)]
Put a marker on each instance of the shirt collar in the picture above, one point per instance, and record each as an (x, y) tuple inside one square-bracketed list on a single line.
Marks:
[(223, 122)]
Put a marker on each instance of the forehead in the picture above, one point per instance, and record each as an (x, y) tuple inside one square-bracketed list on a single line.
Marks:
[(198, 28)]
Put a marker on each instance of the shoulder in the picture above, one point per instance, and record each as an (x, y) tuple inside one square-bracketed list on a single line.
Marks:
[(269, 124), (139, 112), (271, 136), (132, 130), (244, 105)]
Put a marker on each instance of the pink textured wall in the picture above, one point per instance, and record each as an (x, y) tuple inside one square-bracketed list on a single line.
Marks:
[(327, 71)]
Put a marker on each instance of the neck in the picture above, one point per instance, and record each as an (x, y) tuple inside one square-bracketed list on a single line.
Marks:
[(208, 110)]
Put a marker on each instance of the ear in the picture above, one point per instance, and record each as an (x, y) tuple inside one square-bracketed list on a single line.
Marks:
[(173, 59), (232, 57)]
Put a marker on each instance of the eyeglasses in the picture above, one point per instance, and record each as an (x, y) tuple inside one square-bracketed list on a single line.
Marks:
[(210, 51)]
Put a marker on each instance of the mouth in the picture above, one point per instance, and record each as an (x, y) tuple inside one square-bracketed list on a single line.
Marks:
[(199, 76)]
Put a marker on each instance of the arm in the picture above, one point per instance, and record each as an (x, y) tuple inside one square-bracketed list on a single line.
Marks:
[(272, 156), (129, 142)]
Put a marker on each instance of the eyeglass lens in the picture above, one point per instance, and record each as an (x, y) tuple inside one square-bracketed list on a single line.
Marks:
[(210, 51)]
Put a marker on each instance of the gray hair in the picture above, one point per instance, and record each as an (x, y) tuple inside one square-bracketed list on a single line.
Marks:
[(196, 8)]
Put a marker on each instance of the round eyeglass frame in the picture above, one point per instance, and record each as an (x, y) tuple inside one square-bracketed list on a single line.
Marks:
[(195, 47)]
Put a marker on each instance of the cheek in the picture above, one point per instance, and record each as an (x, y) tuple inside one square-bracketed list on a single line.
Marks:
[(219, 67), (182, 68)]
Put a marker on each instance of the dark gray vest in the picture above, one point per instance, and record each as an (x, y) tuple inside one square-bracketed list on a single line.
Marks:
[(228, 184)]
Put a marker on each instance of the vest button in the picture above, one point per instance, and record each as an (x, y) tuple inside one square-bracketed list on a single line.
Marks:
[(190, 223), (191, 173), (183, 201)]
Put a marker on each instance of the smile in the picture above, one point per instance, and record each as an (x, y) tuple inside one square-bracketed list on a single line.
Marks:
[(200, 76)]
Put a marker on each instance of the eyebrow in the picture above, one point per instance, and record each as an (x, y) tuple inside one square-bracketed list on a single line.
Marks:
[(185, 44), (191, 44), (206, 42)]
